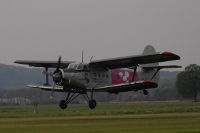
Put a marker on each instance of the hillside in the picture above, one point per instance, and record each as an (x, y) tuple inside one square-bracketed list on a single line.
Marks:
[(14, 76)]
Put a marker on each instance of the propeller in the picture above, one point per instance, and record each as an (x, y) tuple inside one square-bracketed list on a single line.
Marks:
[(55, 76)]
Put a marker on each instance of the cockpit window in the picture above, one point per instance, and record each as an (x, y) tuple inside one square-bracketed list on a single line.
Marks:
[(80, 67), (71, 66), (77, 66)]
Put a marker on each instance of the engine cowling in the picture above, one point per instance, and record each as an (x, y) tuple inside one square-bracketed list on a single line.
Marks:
[(58, 77)]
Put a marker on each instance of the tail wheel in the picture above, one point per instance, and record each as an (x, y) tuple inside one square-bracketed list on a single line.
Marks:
[(92, 104), (63, 104)]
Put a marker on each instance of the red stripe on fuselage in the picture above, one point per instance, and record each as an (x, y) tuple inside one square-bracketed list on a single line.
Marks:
[(122, 76)]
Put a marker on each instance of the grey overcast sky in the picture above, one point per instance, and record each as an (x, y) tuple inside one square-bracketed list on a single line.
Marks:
[(44, 29)]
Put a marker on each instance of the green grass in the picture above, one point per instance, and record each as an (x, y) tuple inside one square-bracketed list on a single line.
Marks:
[(138, 117), (102, 109)]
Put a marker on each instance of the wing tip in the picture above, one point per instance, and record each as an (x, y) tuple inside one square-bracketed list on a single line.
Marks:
[(150, 82), (177, 57), (177, 66)]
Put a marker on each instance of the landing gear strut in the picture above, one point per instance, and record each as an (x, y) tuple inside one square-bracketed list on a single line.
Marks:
[(73, 95), (92, 102)]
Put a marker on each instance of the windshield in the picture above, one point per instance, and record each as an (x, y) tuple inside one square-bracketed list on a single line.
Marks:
[(71, 66), (76, 66), (80, 67)]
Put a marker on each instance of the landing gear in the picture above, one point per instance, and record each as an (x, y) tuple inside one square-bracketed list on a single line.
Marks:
[(92, 104), (73, 95), (145, 92), (63, 104)]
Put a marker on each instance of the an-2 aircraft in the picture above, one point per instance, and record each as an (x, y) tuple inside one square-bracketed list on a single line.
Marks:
[(115, 75)]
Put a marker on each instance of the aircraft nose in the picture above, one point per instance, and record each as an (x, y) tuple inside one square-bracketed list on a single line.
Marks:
[(69, 76)]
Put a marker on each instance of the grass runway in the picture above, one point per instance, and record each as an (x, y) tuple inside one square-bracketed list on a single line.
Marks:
[(138, 117)]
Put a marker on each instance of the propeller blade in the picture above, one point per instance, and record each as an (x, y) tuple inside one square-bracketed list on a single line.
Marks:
[(59, 63), (52, 91)]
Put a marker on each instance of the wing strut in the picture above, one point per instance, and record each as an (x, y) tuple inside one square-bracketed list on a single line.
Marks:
[(134, 72), (157, 70), (47, 77)]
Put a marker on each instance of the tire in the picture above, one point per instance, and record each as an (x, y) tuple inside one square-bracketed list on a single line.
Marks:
[(63, 104), (92, 104)]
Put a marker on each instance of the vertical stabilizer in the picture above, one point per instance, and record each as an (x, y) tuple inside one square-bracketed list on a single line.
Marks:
[(149, 49), (148, 73)]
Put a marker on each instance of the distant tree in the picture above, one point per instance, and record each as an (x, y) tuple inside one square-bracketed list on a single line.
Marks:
[(188, 82)]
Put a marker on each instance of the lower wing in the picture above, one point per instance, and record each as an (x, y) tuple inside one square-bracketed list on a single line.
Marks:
[(130, 86), (47, 88)]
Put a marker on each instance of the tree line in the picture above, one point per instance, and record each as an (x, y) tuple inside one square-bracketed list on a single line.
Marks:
[(188, 82)]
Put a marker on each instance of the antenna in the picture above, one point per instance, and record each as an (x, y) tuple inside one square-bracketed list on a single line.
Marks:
[(82, 56)]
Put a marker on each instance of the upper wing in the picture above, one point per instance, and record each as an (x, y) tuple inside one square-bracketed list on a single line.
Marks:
[(132, 86), (49, 64), (130, 61)]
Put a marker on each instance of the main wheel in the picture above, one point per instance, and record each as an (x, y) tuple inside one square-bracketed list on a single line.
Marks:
[(92, 104), (145, 92), (63, 104)]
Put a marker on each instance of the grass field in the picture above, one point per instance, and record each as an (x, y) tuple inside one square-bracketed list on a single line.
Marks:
[(138, 117)]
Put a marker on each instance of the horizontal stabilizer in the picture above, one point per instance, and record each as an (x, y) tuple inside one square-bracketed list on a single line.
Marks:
[(47, 88), (129, 86)]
